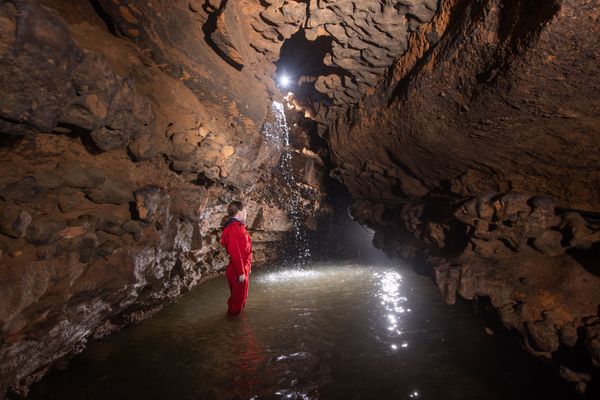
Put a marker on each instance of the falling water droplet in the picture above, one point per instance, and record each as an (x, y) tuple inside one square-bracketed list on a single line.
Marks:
[(278, 133)]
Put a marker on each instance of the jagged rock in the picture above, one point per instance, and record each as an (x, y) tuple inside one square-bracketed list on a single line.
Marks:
[(112, 224), (37, 58), (22, 191), (149, 202), (109, 139), (111, 192), (43, 229), (96, 84), (70, 232), (48, 179), (568, 335), (576, 231), (87, 248), (107, 248), (447, 278), (509, 206), (70, 199), (186, 204), (549, 243), (132, 227), (436, 115), (580, 380), (434, 233), (227, 35), (592, 342), (195, 5), (14, 221), (490, 248), (143, 147), (544, 336), (76, 175), (144, 103)]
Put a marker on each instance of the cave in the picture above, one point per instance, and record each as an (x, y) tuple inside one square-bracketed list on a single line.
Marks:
[(420, 182)]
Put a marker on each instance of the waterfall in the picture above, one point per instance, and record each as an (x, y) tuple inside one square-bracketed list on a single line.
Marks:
[(278, 133)]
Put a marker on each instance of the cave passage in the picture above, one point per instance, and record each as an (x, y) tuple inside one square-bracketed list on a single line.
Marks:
[(343, 330)]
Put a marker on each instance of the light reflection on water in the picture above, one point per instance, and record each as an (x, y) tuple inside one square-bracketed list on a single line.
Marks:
[(390, 285), (290, 275), (327, 332)]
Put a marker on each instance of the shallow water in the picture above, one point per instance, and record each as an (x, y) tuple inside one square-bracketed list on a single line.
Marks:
[(331, 331)]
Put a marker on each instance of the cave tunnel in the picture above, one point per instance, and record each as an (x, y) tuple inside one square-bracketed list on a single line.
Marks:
[(279, 199)]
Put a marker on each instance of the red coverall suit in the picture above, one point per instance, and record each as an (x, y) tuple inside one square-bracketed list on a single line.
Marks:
[(236, 240)]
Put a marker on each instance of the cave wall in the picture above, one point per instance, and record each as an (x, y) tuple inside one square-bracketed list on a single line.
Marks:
[(124, 133), (476, 158), (504, 92), (466, 132)]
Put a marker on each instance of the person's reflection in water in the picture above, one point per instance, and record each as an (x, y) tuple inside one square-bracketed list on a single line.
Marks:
[(252, 359)]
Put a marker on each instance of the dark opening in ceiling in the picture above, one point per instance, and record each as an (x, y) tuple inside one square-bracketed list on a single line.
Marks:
[(302, 61)]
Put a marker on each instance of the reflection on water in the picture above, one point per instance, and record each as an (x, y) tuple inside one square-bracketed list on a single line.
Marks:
[(327, 332), (392, 301)]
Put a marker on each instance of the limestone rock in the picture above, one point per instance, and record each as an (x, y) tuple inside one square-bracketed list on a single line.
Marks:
[(227, 36), (43, 229), (149, 202), (96, 84), (576, 231), (14, 221), (70, 232), (132, 227), (22, 191), (70, 199), (76, 175), (37, 58), (549, 243), (111, 192), (110, 139)]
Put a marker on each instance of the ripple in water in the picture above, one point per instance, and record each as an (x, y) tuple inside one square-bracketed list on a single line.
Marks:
[(338, 331)]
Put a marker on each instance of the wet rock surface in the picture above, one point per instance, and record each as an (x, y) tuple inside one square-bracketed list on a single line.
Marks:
[(516, 256), (118, 157), (466, 133), (476, 158)]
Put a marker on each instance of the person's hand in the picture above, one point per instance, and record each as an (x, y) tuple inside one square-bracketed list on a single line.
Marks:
[(241, 278)]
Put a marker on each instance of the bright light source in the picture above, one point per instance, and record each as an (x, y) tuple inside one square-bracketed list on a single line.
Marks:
[(284, 81)]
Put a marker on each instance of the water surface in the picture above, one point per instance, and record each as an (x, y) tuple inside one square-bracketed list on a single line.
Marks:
[(331, 331)]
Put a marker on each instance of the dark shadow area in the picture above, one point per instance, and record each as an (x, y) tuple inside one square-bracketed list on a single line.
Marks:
[(537, 368), (302, 60), (520, 24), (458, 15), (9, 141), (302, 57), (104, 16), (209, 28), (340, 237), (83, 135), (588, 258)]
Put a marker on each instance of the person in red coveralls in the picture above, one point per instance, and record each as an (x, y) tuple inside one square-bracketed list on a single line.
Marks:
[(236, 240)]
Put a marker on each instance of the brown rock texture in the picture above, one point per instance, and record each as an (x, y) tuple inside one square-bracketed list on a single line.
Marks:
[(123, 136), (476, 157), (467, 132)]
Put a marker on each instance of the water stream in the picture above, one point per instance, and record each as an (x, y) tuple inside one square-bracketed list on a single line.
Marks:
[(329, 331), (278, 133)]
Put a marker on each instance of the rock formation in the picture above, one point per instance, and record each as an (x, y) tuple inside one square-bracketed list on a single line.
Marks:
[(476, 156), (123, 138), (466, 132)]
